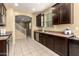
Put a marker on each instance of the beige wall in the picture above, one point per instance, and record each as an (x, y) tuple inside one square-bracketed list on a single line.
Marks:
[(22, 13), (74, 27), (10, 22), (33, 24)]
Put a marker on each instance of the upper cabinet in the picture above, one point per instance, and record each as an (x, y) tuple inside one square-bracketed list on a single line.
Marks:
[(48, 18), (2, 14), (40, 20), (61, 13)]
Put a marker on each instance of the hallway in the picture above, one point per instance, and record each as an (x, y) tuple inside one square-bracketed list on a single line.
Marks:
[(29, 47)]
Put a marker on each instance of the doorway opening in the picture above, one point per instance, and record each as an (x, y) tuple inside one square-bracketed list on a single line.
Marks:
[(23, 26)]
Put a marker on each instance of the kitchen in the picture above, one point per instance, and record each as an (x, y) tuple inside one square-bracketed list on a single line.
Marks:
[(55, 27)]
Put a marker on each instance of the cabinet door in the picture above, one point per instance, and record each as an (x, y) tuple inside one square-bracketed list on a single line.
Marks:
[(34, 35), (38, 20), (50, 42), (1, 21), (2, 47), (60, 46), (0, 8), (65, 13), (73, 48), (62, 14), (56, 14), (4, 10), (2, 14), (42, 39)]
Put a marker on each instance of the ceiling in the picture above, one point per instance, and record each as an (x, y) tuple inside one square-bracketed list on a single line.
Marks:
[(27, 7)]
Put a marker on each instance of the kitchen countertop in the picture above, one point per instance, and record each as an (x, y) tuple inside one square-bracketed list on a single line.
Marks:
[(61, 34), (5, 36)]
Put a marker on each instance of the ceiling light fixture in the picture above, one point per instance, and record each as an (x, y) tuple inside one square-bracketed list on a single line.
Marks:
[(16, 4), (33, 9), (53, 8)]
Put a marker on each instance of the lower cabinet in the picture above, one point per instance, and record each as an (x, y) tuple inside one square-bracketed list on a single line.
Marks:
[(34, 35), (73, 47), (42, 39), (61, 46), (46, 40), (55, 43), (3, 48), (50, 42)]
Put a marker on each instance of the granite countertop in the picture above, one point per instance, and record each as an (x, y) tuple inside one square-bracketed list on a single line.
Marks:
[(5, 36), (61, 34)]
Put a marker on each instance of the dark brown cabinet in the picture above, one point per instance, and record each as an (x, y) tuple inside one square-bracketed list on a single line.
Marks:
[(42, 39), (46, 41), (56, 14), (3, 47), (35, 35), (40, 20), (61, 45), (73, 47), (55, 43), (5, 43), (2, 9), (65, 13), (2, 14), (50, 42), (61, 13)]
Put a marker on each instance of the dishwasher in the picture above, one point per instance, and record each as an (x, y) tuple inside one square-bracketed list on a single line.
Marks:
[(37, 37)]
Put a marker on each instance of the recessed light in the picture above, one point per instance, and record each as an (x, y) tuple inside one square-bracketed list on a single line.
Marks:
[(33, 9), (16, 4), (76, 28), (53, 8)]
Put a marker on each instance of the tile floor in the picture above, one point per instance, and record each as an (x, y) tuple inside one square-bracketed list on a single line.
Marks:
[(29, 47)]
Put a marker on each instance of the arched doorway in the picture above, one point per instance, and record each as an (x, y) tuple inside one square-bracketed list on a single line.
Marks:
[(23, 26)]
